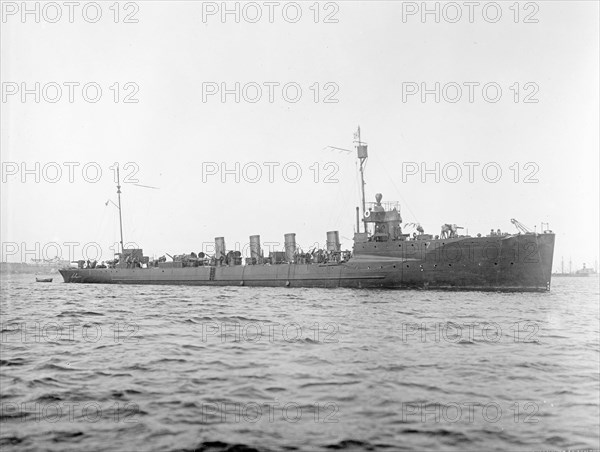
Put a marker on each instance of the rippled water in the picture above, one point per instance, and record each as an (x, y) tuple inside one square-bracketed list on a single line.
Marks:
[(101, 367)]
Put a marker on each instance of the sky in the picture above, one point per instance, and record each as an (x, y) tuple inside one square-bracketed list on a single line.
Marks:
[(471, 117)]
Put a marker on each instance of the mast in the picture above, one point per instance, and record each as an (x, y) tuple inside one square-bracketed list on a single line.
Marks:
[(361, 150), (570, 266), (120, 217)]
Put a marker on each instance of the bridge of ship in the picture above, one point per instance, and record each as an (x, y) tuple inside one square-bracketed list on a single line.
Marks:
[(382, 223), (385, 219)]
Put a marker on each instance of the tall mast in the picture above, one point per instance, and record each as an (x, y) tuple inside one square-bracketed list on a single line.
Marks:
[(120, 217), (362, 157)]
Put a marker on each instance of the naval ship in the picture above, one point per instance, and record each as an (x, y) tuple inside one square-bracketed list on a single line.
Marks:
[(383, 257)]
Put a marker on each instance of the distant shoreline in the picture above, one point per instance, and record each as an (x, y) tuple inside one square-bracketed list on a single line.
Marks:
[(24, 268)]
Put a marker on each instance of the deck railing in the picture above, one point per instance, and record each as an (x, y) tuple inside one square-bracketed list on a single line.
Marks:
[(388, 206)]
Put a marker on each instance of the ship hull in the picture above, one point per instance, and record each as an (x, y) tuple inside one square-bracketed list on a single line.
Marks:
[(509, 263)]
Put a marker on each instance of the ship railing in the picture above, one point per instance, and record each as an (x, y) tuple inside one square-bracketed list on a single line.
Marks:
[(388, 206)]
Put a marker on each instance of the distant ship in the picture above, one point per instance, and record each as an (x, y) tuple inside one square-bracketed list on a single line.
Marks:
[(383, 256), (582, 272)]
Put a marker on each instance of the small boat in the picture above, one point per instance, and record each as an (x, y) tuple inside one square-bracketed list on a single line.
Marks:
[(43, 279)]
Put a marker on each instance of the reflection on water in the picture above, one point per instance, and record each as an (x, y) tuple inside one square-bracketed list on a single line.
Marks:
[(183, 368)]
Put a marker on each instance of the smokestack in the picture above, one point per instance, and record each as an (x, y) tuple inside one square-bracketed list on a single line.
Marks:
[(290, 246), (333, 241), (220, 248), (255, 248)]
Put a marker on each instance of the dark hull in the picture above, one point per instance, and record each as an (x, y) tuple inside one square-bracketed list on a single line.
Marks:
[(510, 263)]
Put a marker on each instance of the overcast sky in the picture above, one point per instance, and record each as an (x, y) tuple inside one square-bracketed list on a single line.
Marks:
[(355, 63)]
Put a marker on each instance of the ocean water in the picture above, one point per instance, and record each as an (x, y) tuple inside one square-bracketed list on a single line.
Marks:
[(145, 368)]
